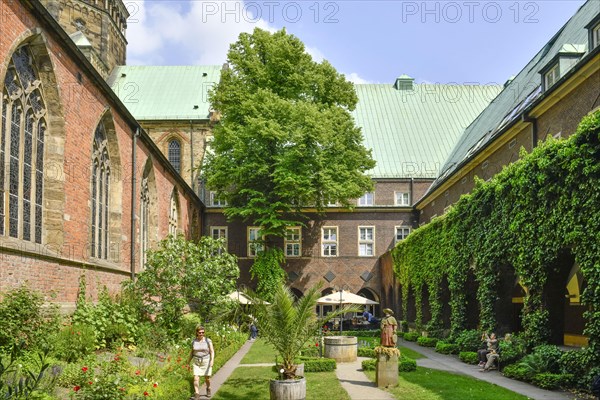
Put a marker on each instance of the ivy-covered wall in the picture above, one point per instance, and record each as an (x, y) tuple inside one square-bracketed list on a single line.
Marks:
[(536, 209)]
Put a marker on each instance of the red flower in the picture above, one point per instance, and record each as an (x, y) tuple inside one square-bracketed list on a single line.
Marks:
[(84, 369), (137, 372), (116, 358), (155, 384), (90, 382), (122, 389), (146, 394), (76, 388), (317, 344)]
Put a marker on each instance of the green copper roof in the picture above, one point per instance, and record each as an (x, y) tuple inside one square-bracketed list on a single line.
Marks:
[(412, 131), (521, 92), (165, 92)]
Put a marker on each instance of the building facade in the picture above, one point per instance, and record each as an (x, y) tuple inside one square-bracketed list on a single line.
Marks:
[(83, 189)]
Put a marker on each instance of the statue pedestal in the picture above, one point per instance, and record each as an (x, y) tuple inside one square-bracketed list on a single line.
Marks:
[(386, 371)]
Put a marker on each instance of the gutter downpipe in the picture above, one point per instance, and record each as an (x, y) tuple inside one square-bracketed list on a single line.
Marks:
[(133, 183), (534, 128)]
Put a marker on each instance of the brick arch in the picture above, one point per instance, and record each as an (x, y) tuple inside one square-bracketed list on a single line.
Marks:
[(55, 169)]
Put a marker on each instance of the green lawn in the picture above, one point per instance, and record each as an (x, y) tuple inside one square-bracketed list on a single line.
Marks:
[(429, 384), (260, 352), (253, 383), (410, 353)]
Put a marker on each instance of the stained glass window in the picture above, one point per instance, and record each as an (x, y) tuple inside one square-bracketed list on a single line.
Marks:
[(100, 186), (22, 134), (175, 154)]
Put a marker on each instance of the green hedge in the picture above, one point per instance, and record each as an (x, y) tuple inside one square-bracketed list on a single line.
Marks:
[(426, 341), (446, 348), (365, 333), (535, 209), (411, 336), (313, 364), (550, 381), (405, 364), (469, 357), (366, 352)]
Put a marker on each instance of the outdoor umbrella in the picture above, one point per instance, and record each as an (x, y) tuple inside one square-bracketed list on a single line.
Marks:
[(346, 298), (239, 296)]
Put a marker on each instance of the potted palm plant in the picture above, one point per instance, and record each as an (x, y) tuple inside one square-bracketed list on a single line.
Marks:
[(288, 325)]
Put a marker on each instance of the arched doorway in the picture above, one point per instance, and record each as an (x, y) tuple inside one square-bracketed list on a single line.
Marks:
[(506, 320), (573, 311), (517, 300), (369, 294)]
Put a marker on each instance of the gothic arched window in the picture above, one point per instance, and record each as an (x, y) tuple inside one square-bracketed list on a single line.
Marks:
[(175, 154), (144, 220), (174, 214), (22, 149), (100, 194)]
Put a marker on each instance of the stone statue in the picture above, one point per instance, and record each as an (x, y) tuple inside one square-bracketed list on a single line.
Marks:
[(388, 329)]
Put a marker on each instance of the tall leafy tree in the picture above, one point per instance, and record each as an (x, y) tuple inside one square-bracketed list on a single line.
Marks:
[(286, 140)]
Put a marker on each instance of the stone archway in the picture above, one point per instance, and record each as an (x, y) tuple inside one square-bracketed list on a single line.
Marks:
[(504, 306), (562, 280), (371, 295)]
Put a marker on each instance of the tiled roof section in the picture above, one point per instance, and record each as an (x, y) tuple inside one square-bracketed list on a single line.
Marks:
[(411, 132), (520, 93), (165, 92)]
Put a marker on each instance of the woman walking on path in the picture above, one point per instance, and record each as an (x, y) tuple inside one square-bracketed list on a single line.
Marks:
[(203, 356)]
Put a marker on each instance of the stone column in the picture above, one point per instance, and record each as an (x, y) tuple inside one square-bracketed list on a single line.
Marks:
[(387, 370)]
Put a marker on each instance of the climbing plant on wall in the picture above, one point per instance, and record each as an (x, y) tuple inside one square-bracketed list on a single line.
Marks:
[(546, 202)]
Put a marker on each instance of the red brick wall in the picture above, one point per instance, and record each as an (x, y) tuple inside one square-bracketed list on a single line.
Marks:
[(63, 257)]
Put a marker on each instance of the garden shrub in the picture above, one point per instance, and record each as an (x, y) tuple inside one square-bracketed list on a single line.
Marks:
[(411, 336), (469, 357), (404, 326), (427, 341), (74, 342), (446, 348), (551, 355), (518, 371), (315, 364), (366, 352), (577, 363), (369, 365), (407, 364), (469, 340), (25, 375), (366, 333), (512, 350), (23, 318), (550, 381)]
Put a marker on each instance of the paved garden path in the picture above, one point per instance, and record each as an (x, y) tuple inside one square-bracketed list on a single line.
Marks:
[(359, 387), (453, 364)]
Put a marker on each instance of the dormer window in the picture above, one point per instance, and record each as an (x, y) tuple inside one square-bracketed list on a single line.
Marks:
[(560, 65), (552, 76), (596, 36), (594, 32)]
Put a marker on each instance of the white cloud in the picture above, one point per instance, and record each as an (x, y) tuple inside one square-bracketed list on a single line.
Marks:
[(198, 32), (353, 77)]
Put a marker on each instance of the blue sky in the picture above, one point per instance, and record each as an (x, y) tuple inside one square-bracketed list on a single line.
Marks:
[(369, 41)]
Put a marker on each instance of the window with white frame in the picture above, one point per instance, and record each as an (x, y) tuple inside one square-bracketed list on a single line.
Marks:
[(552, 76), (255, 241), (216, 200), (366, 241), (402, 232), (402, 198), (293, 241), (596, 36), (329, 241), (366, 200), (219, 232)]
